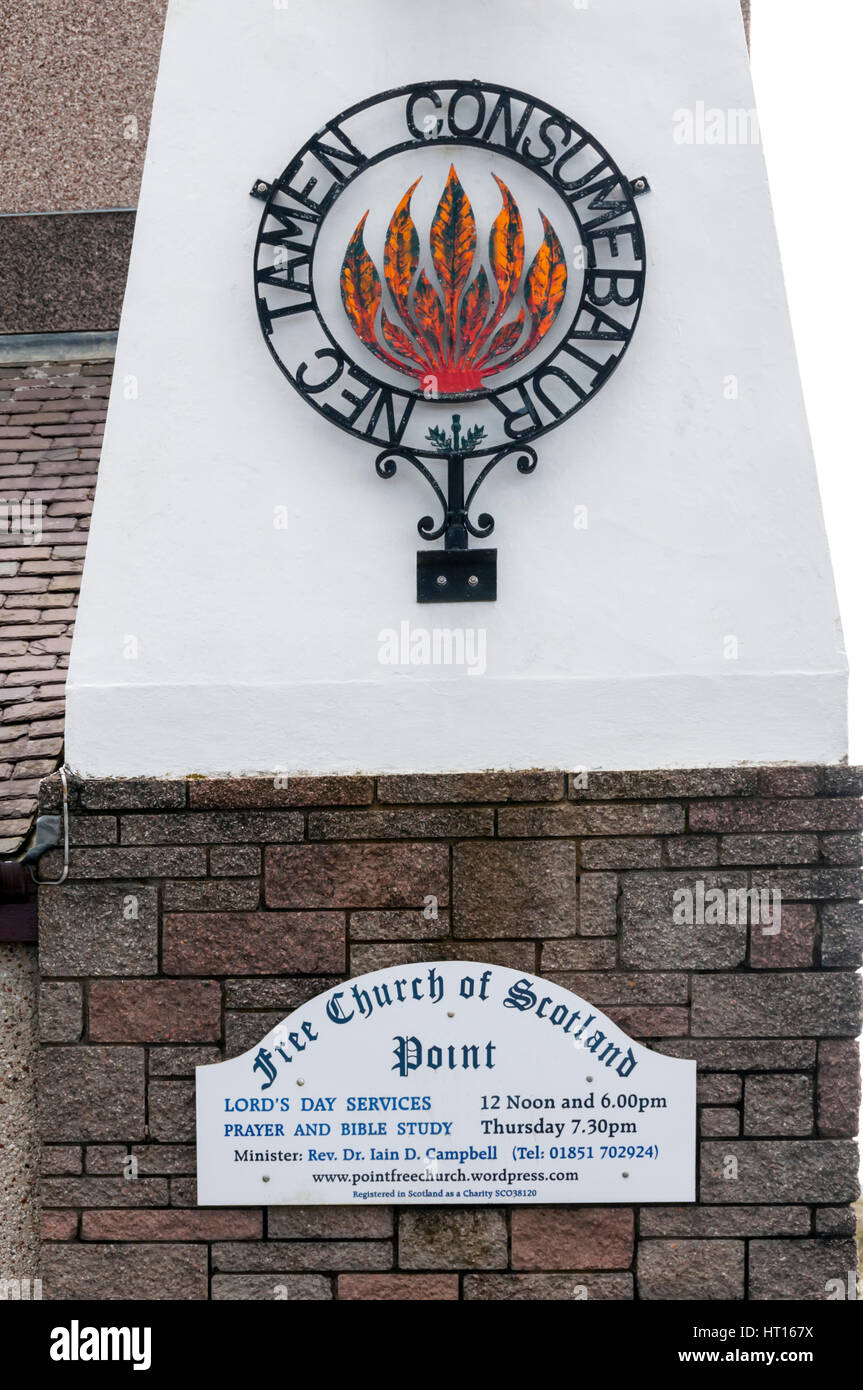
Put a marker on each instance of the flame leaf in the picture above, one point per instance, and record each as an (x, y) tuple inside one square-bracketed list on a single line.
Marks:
[(506, 338), (400, 342), (401, 254), (506, 247), (506, 258), (453, 243), (429, 314), (474, 311), (545, 285), (361, 287)]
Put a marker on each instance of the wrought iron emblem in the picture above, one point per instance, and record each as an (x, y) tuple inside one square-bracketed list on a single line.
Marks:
[(471, 319)]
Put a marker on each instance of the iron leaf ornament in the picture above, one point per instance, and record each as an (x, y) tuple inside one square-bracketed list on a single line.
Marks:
[(456, 335), (522, 318)]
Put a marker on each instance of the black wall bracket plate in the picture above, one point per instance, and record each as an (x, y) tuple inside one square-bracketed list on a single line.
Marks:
[(456, 576)]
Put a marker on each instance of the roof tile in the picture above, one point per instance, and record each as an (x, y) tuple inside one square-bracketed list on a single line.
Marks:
[(51, 425)]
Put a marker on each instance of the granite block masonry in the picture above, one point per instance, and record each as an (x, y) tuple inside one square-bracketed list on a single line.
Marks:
[(197, 914)]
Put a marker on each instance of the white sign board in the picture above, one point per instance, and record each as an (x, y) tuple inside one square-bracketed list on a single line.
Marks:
[(446, 1083)]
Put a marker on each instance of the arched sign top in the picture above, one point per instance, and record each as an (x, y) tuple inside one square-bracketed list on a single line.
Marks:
[(446, 1082)]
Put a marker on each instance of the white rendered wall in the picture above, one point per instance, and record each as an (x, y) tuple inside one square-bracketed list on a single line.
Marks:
[(209, 641)]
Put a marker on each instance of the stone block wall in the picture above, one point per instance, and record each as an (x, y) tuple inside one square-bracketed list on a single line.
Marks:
[(197, 914)]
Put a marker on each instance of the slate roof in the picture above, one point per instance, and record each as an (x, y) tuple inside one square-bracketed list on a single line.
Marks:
[(51, 423)]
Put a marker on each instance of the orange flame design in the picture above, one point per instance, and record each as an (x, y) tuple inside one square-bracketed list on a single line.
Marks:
[(457, 334)]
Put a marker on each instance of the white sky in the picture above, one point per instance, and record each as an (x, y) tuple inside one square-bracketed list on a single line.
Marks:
[(806, 63), (805, 59)]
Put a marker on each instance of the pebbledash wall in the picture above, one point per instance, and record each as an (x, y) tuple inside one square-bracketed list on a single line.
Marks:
[(199, 912)]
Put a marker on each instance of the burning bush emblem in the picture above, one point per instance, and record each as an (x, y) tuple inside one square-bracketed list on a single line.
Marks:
[(460, 333)]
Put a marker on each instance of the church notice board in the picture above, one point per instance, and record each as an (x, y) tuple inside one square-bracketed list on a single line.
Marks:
[(446, 1083)]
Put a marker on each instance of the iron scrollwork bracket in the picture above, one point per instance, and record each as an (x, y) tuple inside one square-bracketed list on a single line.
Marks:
[(456, 574)]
